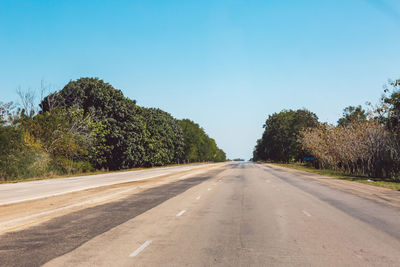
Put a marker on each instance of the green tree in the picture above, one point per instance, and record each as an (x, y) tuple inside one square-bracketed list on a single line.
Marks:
[(279, 140), (351, 115), (17, 156), (163, 141), (220, 155), (390, 106), (64, 134), (198, 146), (120, 116), (90, 123)]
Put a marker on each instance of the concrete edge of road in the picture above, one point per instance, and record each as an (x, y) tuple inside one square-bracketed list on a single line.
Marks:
[(134, 187), (378, 194)]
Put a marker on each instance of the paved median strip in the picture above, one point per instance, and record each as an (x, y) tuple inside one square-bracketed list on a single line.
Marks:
[(140, 249)]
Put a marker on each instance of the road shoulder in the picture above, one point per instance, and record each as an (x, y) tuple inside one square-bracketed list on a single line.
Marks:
[(378, 194), (21, 215)]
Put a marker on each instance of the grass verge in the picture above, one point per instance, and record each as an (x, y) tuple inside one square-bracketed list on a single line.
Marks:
[(336, 174)]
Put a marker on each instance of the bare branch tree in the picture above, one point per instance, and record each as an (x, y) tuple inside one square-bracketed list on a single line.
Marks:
[(359, 148), (27, 101)]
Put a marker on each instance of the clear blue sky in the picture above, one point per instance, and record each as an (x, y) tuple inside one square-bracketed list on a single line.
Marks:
[(223, 64)]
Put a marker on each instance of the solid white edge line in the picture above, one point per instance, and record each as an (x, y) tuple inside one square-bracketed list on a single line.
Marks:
[(306, 213), (180, 213), (140, 249)]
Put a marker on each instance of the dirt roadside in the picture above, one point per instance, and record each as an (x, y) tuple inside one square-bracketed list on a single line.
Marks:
[(379, 194), (21, 215)]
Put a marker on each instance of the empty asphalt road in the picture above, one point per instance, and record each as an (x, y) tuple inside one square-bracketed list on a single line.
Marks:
[(241, 214)]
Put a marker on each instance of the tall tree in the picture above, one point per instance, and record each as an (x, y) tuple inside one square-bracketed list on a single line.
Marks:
[(279, 140), (163, 142), (198, 146), (390, 105), (122, 123), (352, 114)]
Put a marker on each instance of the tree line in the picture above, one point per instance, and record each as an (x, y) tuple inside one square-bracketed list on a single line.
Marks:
[(90, 125), (364, 142)]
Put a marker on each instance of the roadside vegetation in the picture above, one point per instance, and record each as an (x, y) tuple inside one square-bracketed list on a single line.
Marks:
[(363, 146), (90, 126)]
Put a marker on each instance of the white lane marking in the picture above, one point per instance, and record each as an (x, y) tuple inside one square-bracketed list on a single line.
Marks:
[(306, 213), (209, 189), (140, 249), (180, 213), (197, 198)]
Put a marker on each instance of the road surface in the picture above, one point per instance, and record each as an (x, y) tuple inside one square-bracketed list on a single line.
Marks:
[(18, 192), (241, 214)]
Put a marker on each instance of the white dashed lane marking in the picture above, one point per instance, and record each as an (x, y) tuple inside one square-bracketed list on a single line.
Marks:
[(306, 213), (140, 249), (180, 213)]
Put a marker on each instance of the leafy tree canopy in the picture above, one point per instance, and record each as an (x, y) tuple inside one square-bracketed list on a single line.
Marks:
[(279, 140), (123, 126), (126, 135), (391, 106), (198, 146), (351, 115), (163, 140)]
